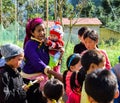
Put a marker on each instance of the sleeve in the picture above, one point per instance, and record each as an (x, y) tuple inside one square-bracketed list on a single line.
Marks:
[(5, 93), (35, 60), (75, 50), (107, 65), (10, 94)]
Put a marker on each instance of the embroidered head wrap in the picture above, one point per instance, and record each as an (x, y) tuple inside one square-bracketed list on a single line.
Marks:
[(30, 26)]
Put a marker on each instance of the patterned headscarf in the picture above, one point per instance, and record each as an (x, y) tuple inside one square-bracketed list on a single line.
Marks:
[(30, 26)]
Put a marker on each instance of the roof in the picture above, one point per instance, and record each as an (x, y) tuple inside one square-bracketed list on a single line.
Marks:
[(79, 21)]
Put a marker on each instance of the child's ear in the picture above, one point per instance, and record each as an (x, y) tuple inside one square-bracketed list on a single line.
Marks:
[(116, 93), (91, 68), (72, 68)]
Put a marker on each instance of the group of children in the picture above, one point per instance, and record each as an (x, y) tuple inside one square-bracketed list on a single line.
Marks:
[(88, 78)]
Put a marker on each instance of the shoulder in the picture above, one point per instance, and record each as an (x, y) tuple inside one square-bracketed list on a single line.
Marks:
[(31, 44), (77, 45)]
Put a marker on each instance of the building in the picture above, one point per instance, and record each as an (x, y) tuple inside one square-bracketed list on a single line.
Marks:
[(77, 23)]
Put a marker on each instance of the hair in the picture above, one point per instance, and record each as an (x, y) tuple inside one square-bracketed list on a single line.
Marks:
[(89, 57), (76, 80), (53, 89), (91, 34), (82, 31), (30, 27), (101, 85), (71, 61)]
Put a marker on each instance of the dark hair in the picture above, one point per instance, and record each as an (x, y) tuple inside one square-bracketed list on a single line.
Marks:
[(82, 30), (89, 57), (77, 78), (53, 89), (71, 61), (101, 85), (91, 34)]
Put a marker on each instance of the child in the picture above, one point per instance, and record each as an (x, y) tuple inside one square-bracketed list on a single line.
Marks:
[(53, 91), (91, 41), (91, 60), (79, 48), (76, 82), (73, 64), (55, 44), (116, 71), (11, 82), (101, 86)]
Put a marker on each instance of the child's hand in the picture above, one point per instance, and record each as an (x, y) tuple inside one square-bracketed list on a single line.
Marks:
[(25, 87)]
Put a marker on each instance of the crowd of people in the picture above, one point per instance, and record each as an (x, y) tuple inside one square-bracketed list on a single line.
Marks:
[(32, 74)]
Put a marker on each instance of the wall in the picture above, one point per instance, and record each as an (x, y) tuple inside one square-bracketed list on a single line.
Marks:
[(75, 29), (106, 34)]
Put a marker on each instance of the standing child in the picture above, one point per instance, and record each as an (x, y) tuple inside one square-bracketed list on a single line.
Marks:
[(79, 48), (91, 60), (11, 82), (91, 41), (53, 91), (101, 86), (55, 44), (76, 82), (73, 64)]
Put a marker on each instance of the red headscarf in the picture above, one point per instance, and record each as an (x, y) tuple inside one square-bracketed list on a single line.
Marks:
[(31, 24)]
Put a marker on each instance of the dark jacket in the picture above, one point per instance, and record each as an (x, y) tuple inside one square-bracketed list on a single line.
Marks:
[(11, 83)]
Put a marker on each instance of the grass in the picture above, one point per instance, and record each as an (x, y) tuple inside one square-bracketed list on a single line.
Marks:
[(113, 52)]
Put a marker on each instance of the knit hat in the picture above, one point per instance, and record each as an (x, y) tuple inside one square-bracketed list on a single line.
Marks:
[(10, 50), (57, 30), (30, 26)]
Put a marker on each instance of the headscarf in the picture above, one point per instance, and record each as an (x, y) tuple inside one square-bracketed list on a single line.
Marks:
[(31, 24)]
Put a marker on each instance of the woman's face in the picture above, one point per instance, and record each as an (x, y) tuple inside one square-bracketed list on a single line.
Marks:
[(90, 44), (39, 32)]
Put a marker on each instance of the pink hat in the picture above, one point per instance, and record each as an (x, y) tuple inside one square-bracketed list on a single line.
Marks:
[(30, 26)]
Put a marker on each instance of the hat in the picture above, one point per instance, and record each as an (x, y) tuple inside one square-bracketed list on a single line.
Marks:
[(10, 50), (57, 30), (31, 24)]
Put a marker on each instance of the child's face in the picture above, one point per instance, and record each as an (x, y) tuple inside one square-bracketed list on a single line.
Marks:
[(76, 67), (90, 44), (94, 66), (39, 32), (53, 37), (16, 62)]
